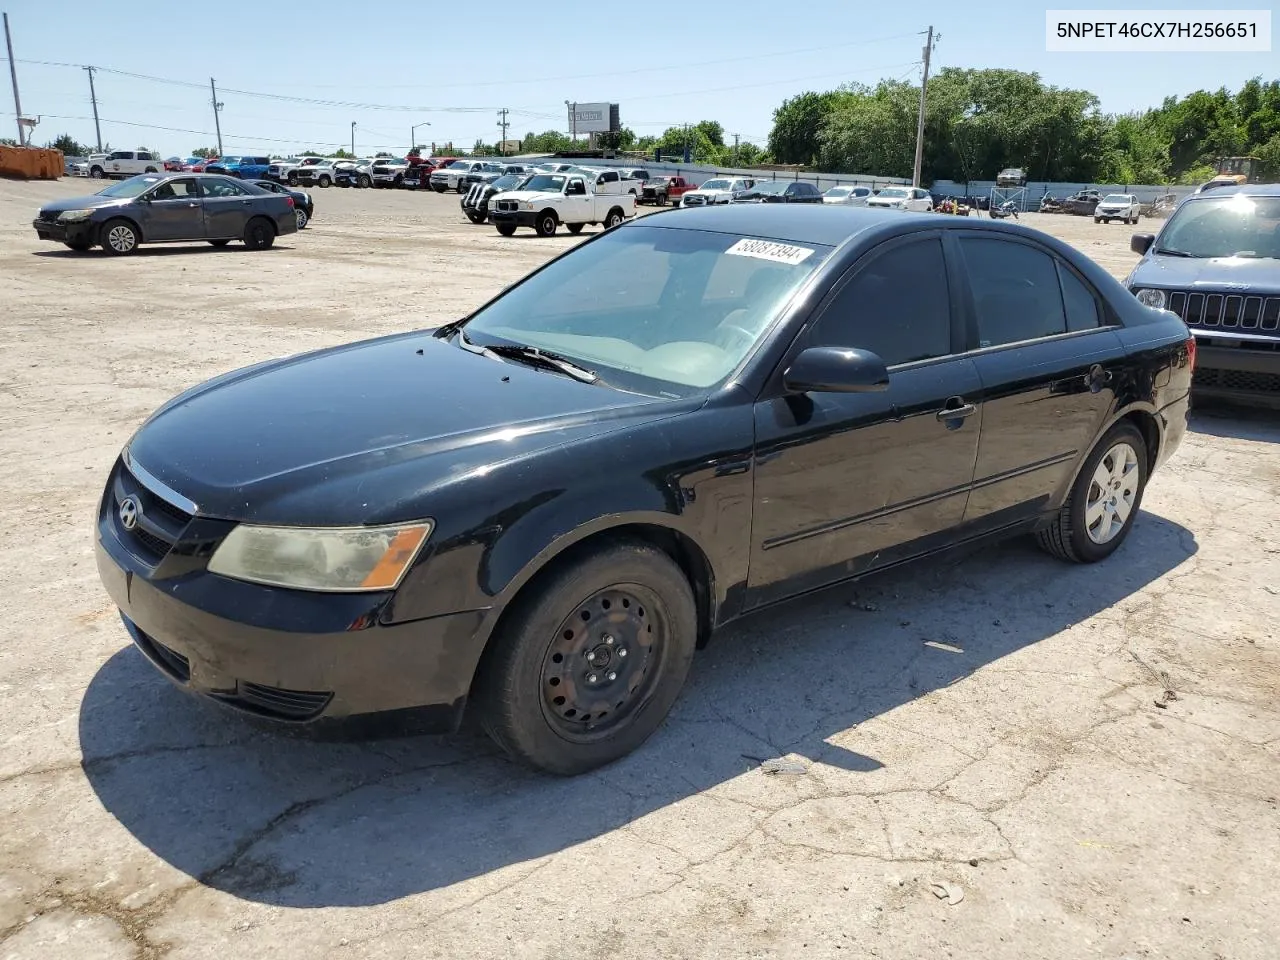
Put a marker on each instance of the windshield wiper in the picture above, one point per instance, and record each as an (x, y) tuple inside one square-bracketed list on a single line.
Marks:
[(531, 355), (548, 361), (1165, 251)]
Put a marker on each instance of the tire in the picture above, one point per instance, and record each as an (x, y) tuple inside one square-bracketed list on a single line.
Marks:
[(575, 228), (293, 179), (507, 229), (613, 219), (259, 234), (439, 187), (325, 182), (365, 181), (546, 224), (1069, 536), (97, 173), (150, 170), (544, 644), (218, 243), (119, 238), (303, 219), (475, 217), (1097, 219), (79, 246)]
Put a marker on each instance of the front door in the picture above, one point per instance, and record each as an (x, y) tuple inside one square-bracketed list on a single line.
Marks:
[(227, 207), (578, 204), (1048, 365), (173, 211), (849, 482)]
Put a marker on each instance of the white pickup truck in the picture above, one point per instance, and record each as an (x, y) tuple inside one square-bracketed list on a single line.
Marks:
[(123, 164), (550, 199)]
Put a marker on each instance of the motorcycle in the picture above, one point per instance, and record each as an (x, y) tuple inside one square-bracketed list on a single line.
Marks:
[(1006, 209), (1049, 205)]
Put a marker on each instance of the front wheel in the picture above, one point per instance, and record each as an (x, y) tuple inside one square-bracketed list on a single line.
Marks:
[(475, 217), (325, 182), (365, 181), (546, 225), (95, 173), (293, 179), (119, 238), (79, 246), (1104, 499), (587, 666), (575, 228), (507, 229), (259, 234)]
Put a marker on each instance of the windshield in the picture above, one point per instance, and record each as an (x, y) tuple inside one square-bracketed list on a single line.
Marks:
[(715, 185), (133, 187), (653, 310), (1224, 227), (460, 164), (545, 183), (1116, 198), (893, 193), (771, 186), (230, 160), (839, 191), (507, 182)]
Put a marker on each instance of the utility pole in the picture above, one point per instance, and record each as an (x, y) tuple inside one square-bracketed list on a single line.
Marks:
[(735, 149), (924, 85), (353, 139), (93, 96), (13, 75), (502, 144), (217, 124)]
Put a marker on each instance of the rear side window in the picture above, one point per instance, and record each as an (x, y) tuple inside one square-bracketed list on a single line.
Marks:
[(898, 306), (1082, 306), (1016, 294)]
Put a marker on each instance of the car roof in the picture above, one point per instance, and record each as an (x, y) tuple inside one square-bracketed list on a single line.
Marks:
[(1247, 190), (828, 225)]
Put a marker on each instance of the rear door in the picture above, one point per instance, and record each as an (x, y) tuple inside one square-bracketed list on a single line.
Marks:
[(846, 482), (227, 208), (1048, 360)]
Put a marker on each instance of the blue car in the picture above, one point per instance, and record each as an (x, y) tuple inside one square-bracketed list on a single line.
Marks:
[(246, 168)]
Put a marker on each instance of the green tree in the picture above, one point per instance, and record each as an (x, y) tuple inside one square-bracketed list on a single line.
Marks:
[(341, 154), (623, 139), (8, 142), (549, 141), (69, 146), (796, 126), (205, 152)]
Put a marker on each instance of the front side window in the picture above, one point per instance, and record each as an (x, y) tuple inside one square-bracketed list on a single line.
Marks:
[(185, 189), (898, 306), (661, 311), (1016, 292)]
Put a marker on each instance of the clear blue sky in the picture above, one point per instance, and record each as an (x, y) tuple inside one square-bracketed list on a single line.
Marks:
[(446, 64)]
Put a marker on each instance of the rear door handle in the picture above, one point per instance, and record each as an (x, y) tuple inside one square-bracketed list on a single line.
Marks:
[(959, 412)]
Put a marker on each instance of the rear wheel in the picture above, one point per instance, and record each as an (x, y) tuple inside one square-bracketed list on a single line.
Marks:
[(259, 234), (575, 228), (293, 179), (119, 237), (546, 225), (325, 181), (507, 229), (365, 181), (150, 170), (614, 218), (1104, 500), (303, 219), (586, 667)]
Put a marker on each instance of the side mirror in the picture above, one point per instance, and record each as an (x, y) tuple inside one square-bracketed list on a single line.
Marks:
[(836, 370), (1140, 243)]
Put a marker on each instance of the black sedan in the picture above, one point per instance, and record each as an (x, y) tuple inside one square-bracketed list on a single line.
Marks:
[(164, 208), (475, 204), (780, 191), (304, 205), (540, 510)]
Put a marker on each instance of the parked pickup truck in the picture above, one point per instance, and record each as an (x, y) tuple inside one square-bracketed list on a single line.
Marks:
[(285, 171), (123, 164), (550, 199), (320, 174), (246, 168), (662, 190)]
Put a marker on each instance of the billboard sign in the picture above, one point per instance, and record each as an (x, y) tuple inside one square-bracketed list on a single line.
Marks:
[(594, 117)]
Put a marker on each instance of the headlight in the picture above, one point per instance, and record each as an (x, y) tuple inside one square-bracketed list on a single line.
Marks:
[(1152, 298), (72, 215), (333, 559), (526, 205)]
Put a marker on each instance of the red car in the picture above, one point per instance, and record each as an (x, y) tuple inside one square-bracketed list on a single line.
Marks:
[(196, 164)]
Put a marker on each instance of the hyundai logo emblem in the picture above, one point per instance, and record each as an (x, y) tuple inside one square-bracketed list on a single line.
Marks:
[(129, 511)]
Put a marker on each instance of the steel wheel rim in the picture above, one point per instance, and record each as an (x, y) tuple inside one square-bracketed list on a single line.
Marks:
[(1113, 492), (603, 663), (121, 239), (302, 218)]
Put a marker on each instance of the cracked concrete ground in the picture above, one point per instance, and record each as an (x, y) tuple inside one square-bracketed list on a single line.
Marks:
[(988, 722)]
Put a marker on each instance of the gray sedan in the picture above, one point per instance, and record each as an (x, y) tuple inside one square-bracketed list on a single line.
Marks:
[(164, 208)]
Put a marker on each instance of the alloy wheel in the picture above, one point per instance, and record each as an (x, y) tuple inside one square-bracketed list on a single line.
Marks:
[(122, 239), (1112, 493)]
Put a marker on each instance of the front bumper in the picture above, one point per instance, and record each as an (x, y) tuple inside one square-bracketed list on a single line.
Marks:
[(521, 218), (287, 655), (80, 231), (1248, 376)]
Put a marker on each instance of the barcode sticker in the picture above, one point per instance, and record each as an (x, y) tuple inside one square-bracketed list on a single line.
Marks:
[(769, 250)]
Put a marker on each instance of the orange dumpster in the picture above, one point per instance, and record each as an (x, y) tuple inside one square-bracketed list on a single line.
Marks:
[(31, 163)]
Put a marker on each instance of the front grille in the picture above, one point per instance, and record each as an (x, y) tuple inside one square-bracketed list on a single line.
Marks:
[(507, 206), (279, 702), (50, 216), (1226, 311), (1236, 380), (159, 522)]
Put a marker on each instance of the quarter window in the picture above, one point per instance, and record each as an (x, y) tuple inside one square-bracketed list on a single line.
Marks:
[(1082, 307), (898, 306), (1016, 295)]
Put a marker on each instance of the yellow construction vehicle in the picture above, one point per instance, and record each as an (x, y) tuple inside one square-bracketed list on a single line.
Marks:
[(1233, 172)]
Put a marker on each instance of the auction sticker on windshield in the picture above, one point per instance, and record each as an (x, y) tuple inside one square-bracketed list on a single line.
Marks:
[(769, 250)]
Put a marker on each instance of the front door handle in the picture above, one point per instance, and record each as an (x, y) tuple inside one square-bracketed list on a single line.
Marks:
[(959, 411)]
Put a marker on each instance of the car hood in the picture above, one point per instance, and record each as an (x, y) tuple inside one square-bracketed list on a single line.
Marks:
[(885, 201), (91, 202), (528, 194), (364, 433), (1244, 275)]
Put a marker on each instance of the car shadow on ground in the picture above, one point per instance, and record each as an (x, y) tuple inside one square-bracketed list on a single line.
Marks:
[(1230, 421), (157, 251), (296, 822)]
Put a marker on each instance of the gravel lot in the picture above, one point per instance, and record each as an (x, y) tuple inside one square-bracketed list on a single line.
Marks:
[(988, 723)]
